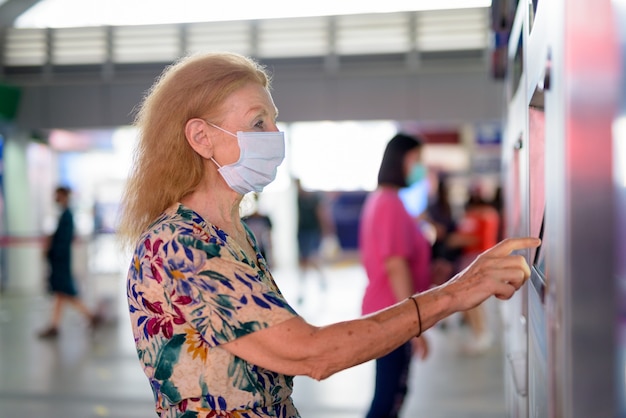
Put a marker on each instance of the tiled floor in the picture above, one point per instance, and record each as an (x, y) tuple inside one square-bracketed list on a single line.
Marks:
[(97, 375)]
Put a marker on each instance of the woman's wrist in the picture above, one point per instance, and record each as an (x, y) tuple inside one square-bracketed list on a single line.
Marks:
[(433, 305), (419, 316)]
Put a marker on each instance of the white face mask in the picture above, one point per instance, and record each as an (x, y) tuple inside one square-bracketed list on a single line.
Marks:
[(260, 154)]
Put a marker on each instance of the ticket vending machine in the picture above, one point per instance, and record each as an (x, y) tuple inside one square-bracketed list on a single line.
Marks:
[(562, 92)]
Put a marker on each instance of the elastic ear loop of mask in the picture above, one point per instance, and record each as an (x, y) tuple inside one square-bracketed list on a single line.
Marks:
[(223, 130)]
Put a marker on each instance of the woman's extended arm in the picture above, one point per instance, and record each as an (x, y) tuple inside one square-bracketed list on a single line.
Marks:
[(295, 347)]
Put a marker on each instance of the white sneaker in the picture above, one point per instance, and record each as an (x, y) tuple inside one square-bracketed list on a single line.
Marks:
[(478, 344)]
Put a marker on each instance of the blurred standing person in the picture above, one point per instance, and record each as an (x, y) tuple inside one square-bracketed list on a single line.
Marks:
[(478, 229), (261, 226), (58, 252), (445, 256), (314, 223), (396, 257)]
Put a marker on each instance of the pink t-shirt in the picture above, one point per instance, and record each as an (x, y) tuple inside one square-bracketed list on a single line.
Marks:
[(386, 229)]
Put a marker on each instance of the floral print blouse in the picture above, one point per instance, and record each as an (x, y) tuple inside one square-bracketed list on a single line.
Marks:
[(190, 289)]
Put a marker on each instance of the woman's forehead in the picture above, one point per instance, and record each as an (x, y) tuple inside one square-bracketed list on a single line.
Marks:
[(250, 98)]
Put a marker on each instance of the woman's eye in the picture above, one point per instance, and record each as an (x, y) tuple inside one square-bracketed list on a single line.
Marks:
[(259, 124)]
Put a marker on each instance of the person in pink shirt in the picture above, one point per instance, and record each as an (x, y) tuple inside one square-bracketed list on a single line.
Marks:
[(396, 257)]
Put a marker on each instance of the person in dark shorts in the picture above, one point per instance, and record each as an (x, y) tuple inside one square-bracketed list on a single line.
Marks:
[(58, 252)]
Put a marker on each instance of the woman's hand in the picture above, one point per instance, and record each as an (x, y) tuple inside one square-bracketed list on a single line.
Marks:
[(495, 272)]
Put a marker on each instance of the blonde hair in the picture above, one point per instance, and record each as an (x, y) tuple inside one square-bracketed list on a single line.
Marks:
[(165, 167)]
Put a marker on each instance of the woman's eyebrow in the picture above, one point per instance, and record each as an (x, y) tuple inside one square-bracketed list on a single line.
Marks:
[(262, 111)]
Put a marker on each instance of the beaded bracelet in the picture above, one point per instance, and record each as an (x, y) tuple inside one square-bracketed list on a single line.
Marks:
[(419, 317)]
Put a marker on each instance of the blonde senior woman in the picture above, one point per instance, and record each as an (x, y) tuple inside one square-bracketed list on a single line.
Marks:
[(214, 334)]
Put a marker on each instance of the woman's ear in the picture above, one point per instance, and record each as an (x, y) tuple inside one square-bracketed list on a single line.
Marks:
[(198, 137)]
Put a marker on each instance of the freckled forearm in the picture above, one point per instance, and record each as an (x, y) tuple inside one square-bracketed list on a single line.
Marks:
[(370, 337)]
